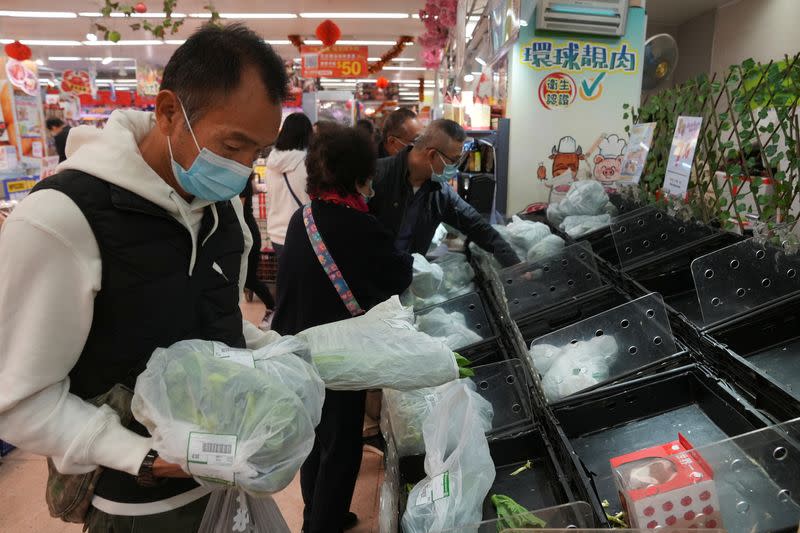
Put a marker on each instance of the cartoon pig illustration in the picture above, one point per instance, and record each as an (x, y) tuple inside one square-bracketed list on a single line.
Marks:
[(608, 162)]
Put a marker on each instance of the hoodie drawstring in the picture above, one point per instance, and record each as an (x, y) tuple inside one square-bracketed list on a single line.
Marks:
[(186, 222), (215, 226)]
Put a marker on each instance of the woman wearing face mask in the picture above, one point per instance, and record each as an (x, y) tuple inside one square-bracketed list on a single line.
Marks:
[(361, 256)]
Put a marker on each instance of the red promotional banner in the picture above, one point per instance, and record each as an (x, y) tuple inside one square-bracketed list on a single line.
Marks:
[(334, 61)]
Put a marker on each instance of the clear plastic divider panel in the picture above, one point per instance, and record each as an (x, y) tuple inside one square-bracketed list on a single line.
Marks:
[(562, 517), (530, 287), (471, 307), (604, 347), (742, 276), (746, 484), (649, 232), (504, 385)]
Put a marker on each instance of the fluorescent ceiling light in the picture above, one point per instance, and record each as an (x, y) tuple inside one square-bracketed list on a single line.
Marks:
[(175, 41), (39, 14), (258, 15), (90, 14), (404, 68), (150, 15), (357, 42), (64, 58), (131, 42), (106, 60), (354, 15), (469, 77), (398, 59), (277, 41), (39, 62), (480, 61), (42, 42), (103, 80), (109, 58)]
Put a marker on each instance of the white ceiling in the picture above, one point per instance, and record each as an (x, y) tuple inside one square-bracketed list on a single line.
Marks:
[(676, 12), (75, 29)]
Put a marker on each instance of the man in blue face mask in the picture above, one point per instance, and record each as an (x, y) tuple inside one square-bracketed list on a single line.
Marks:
[(141, 236), (413, 194)]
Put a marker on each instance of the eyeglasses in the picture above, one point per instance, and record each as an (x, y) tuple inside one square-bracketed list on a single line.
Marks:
[(449, 160)]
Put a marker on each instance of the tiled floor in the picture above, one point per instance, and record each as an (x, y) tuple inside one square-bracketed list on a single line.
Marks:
[(23, 476)]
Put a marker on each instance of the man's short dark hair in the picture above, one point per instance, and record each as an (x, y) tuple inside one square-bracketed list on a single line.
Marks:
[(338, 159), (393, 125), (210, 63), (441, 128), (54, 123)]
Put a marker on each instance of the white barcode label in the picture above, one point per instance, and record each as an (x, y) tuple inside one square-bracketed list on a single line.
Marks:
[(436, 489), (211, 456), (236, 355)]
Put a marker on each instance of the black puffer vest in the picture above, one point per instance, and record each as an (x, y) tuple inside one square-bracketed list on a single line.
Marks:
[(147, 297)]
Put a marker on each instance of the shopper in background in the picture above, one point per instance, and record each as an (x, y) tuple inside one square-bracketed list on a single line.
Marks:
[(413, 196), (137, 243), (252, 282), (352, 243), (400, 129), (59, 131), (369, 128), (286, 177)]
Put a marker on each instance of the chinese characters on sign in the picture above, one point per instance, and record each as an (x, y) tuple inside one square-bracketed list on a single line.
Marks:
[(334, 61), (557, 91), (578, 56)]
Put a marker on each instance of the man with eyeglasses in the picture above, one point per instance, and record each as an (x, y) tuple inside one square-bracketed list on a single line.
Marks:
[(400, 129), (412, 196)]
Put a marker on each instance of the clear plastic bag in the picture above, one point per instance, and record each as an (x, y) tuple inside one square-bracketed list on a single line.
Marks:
[(579, 225), (526, 234), (458, 465), (584, 198), (234, 511), (222, 421), (407, 412), (451, 327), (458, 273), (381, 349), (550, 245), (289, 361), (428, 277), (572, 368)]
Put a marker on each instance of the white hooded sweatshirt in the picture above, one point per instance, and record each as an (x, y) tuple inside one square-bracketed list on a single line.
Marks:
[(51, 272), (282, 204)]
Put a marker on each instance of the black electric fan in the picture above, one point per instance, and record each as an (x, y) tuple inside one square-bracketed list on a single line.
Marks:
[(660, 60)]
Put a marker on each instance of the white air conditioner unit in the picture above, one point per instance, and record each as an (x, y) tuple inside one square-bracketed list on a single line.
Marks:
[(597, 17)]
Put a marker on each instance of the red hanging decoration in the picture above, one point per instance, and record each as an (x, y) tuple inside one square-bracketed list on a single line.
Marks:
[(328, 32), (141, 7), (18, 51), (382, 83)]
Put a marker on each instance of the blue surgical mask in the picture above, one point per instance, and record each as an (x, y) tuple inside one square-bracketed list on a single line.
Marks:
[(450, 171), (211, 176)]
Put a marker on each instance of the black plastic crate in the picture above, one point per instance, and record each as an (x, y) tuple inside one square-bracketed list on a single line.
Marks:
[(541, 486), (570, 311), (671, 276), (598, 426), (760, 352), (490, 349)]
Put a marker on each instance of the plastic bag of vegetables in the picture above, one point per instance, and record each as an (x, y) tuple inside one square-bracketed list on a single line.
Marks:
[(459, 469), (407, 412), (289, 361), (452, 327), (234, 511), (380, 349), (220, 420)]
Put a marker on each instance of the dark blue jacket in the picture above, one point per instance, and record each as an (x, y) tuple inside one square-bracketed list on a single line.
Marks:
[(440, 204)]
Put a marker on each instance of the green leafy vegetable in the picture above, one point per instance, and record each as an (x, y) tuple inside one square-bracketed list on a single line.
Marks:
[(512, 515)]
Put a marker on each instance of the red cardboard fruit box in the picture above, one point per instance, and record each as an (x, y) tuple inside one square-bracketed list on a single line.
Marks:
[(669, 485)]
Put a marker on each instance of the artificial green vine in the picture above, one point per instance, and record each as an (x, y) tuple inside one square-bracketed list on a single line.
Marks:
[(158, 29), (750, 138)]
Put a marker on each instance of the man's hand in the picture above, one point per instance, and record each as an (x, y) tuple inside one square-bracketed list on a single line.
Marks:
[(161, 468)]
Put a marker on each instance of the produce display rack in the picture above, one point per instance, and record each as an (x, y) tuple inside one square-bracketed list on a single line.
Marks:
[(733, 375)]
